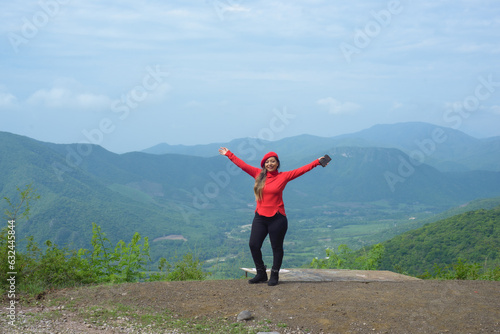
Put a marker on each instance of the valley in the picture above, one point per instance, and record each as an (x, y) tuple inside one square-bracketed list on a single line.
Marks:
[(198, 202)]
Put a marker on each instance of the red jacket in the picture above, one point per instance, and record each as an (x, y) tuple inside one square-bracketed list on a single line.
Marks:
[(272, 194)]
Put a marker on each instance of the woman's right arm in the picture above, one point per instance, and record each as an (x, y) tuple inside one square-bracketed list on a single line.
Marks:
[(252, 171)]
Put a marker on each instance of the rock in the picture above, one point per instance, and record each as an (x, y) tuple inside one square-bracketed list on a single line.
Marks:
[(244, 316)]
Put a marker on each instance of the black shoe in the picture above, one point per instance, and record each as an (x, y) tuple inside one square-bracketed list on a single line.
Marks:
[(261, 276), (274, 277)]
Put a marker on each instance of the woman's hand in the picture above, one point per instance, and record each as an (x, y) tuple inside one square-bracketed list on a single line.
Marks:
[(223, 150), (320, 160)]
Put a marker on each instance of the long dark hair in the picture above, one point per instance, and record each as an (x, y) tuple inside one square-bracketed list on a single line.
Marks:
[(260, 181)]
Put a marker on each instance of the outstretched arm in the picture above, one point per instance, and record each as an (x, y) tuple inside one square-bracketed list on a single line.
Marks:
[(293, 174), (252, 171)]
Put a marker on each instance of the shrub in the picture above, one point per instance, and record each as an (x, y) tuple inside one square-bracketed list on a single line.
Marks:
[(463, 270), (124, 263), (345, 258), (188, 269)]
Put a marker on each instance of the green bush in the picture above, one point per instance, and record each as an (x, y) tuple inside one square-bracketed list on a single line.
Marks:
[(463, 270), (345, 258), (54, 268), (124, 263), (189, 269), (40, 270)]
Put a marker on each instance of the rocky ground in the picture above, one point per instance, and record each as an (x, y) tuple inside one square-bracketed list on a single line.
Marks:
[(290, 307)]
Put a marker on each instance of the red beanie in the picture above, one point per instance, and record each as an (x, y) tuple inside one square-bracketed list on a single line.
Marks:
[(267, 156)]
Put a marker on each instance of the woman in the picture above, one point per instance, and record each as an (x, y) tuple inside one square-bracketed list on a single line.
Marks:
[(270, 217)]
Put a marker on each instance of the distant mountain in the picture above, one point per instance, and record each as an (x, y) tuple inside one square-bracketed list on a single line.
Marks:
[(205, 198), (473, 236), (444, 148)]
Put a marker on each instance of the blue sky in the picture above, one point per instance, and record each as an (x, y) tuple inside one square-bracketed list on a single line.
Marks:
[(131, 74)]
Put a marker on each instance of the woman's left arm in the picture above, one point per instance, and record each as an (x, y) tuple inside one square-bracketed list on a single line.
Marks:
[(293, 174)]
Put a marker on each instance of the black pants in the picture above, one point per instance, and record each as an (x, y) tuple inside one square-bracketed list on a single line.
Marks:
[(276, 227)]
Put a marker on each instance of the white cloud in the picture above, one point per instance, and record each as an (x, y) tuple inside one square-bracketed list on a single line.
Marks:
[(238, 8), (396, 105), (7, 100), (91, 101), (159, 94), (336, 107), (58, 97), (453, 105), (494, 109), (458, 107)]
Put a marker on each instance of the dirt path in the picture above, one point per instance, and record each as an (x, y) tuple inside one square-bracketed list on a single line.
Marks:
[(305, 307)]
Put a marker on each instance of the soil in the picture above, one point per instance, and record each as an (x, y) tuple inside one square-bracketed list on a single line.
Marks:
[(291, 307)]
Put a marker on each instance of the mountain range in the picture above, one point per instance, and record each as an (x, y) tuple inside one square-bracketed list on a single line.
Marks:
[(190, 197), (444, 148)]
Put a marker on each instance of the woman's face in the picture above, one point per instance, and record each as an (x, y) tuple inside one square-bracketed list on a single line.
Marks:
[(271, 164)]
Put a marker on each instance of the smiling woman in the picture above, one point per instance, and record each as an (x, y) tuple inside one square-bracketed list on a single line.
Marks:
[(270, 217)]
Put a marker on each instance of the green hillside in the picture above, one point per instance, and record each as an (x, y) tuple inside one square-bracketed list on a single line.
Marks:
[(188, 203), (473, 236), (67, 207)]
